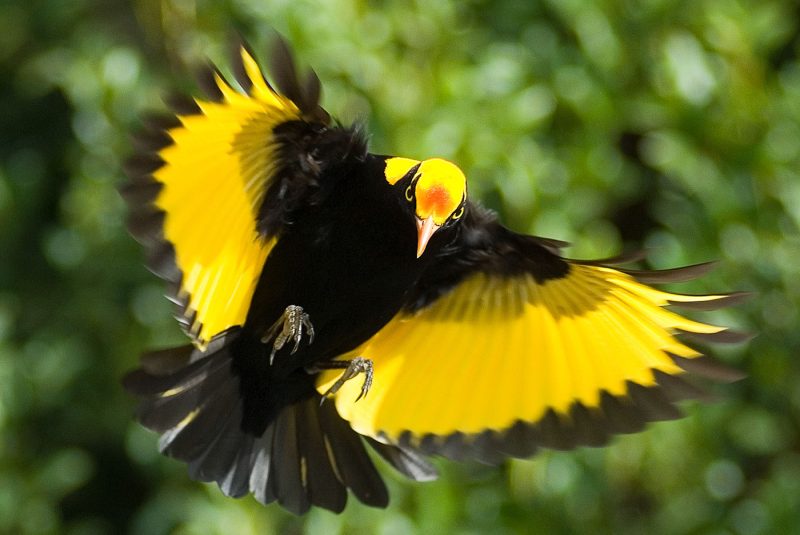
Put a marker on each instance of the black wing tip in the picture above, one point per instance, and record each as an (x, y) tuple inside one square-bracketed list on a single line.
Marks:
[(181, 104), (725, 336), (237, 44), (625, 257), (678, 274), (709, 368), (283, 69), (655, 404), (145, 220), (149, 140), (142, 165), (720, 301), (140, 192), (206, 78), (305, 94), (160, 121), (581, 424), (651, 276), (677, 388), (408, 462), (146, 225)]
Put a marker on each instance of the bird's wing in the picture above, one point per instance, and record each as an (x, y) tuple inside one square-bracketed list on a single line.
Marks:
[(506, 346), (198, 186)]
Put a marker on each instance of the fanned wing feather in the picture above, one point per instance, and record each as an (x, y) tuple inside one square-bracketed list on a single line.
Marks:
[(567, 361), (195, 198)]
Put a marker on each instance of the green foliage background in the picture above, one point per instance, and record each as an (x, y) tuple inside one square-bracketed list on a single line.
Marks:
[(613, 124)]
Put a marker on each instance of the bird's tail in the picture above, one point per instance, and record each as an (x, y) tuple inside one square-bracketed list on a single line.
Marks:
[(308, 455)]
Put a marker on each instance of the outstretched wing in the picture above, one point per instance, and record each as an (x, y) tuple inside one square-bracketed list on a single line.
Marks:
[(506, 347), (197, 188)]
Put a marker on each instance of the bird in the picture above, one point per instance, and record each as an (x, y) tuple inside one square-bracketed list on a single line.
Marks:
[(339, 301)]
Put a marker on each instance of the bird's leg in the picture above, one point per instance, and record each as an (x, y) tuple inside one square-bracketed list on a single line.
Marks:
[(351, 369), (289, 327)]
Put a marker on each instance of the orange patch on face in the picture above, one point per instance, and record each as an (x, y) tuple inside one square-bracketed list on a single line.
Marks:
[(434, 200)]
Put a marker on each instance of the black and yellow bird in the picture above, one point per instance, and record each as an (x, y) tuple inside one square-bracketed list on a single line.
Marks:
[(306, 268)]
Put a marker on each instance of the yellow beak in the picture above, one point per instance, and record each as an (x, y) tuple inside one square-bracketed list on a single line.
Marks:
[(425, 230)]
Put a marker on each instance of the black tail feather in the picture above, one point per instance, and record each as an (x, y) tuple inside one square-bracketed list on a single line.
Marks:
[(173, 407), (287, 471), (321, 473), (307, 456), (262, 466), (355, 469), (193, 435), (408, 462), (226, 458)]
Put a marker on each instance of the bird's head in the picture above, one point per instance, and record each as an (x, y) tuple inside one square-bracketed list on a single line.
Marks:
[(435, 189)]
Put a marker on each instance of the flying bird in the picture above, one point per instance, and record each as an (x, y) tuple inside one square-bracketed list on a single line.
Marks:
[(339, 301)]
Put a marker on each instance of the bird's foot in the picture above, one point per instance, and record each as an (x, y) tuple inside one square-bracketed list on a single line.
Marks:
[(290, 326), (351, 369)]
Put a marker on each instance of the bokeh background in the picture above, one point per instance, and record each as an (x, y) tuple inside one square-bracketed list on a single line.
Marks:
[(612, 124)]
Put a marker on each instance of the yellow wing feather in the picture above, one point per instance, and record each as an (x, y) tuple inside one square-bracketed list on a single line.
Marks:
[(214, 177), (497, 351)]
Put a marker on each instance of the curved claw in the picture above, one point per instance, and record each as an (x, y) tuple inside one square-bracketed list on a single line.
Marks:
[(301, 321), (289, 327), (351, 369), (298, 335)]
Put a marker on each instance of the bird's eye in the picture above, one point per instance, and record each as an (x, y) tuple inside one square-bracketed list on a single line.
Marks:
[(410, 193), (458, 213)]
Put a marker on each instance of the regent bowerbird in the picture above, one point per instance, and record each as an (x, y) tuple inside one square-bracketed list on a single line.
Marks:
[(339, 300)]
